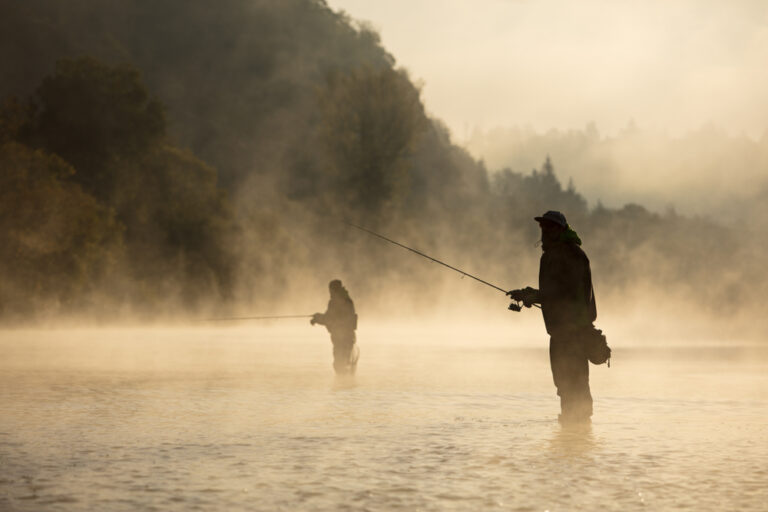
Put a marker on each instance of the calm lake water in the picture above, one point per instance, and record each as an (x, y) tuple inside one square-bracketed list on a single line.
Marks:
[(252, 418)]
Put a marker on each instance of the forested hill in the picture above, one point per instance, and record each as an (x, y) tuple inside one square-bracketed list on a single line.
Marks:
[(239, 77), (189, 154)]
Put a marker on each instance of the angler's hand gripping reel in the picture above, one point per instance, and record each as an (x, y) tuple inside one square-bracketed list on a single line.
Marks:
[(520, 298)]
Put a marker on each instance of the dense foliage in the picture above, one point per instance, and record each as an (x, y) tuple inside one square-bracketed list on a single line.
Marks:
[(95, 199)]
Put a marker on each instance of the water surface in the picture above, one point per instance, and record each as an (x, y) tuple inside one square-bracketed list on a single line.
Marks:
[(253, 419)]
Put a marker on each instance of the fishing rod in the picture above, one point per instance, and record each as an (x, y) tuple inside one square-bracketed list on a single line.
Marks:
[(271, 317), (513, 306)]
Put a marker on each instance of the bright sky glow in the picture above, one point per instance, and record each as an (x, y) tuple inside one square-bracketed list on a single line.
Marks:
[(670, 65)]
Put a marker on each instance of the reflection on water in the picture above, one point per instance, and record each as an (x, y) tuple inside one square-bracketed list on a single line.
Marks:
[(344, 382), (572, 441), (256, 420)]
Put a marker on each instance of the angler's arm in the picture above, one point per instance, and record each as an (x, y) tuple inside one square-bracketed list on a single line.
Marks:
[(324, 318)]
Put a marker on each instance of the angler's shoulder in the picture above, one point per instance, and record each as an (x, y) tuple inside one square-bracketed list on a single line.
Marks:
[(563, 254), (572, 251)]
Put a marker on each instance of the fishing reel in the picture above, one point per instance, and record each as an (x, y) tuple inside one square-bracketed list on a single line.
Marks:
[(525, 297)]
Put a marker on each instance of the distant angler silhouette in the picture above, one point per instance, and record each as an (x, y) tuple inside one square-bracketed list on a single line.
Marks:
[(341, 321)]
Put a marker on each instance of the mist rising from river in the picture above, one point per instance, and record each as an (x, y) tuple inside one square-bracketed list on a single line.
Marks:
[(439, 417)]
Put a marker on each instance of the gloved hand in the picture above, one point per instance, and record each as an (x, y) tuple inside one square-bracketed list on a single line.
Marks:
[(526, 295), (313, 320)]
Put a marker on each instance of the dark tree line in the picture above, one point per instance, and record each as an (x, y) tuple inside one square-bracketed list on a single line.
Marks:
[(95, 198), (208, 155)]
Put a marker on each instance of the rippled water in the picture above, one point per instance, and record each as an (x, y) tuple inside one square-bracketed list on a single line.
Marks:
[(253, 419)]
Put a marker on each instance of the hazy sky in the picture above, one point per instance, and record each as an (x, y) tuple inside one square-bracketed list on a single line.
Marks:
[(667, 64)]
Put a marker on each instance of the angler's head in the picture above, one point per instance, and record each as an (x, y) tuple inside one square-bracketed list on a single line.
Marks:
[(552, 225), (335, 286), (552, 220)]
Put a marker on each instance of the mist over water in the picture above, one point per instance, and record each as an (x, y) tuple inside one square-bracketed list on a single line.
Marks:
[(164, 165), (439, 417)]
